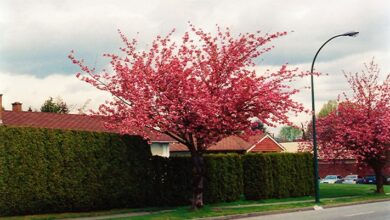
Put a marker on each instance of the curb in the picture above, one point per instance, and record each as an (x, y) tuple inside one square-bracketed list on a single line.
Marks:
[(357, 203), (282, 203), (255, 214), (228, 217)]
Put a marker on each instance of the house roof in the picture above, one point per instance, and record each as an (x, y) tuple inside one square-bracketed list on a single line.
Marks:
[(267, 144), (62, 121), (256, 143)]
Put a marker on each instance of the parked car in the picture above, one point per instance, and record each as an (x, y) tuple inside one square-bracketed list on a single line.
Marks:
[(371, 179), (351, 179), (360, 181), (331, 179)]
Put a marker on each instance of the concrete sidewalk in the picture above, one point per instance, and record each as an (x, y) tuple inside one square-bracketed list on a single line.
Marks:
[(124, 215), (255, 214), (133, 214), (282, 203)]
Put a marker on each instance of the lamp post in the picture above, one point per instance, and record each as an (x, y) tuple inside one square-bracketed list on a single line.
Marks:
[(316, 183)]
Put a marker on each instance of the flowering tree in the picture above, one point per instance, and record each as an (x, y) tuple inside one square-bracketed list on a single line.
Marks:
[(360, 125), (307, 128), (197, 91)]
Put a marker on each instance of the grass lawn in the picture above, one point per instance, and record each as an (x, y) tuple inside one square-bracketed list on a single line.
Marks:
[(337, 190), (331, 194)]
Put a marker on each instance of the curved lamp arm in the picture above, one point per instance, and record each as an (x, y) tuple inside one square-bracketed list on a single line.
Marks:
[(349, 34)]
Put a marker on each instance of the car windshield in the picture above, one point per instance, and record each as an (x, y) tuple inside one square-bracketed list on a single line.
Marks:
[(351, 177), (331, 177)]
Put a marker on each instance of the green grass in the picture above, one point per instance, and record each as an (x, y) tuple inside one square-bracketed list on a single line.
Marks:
[(78, 214), (338, 190), (330, 195), (211, 211)]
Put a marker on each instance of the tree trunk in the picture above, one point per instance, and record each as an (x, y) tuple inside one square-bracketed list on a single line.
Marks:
[(379, 179), (197, 180)]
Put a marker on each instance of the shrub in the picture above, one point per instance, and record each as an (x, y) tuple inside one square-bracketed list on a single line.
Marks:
[(173, 179), (224, 175), (277, 175), (44, 170)]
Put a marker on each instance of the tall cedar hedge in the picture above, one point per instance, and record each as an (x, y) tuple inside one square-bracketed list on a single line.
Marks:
[(172, 179), (276, 175), (44, 170)]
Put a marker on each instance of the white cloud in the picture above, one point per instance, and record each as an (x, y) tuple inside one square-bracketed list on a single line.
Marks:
[(45, 31), (37, 36), (332, 83), (33, 91)]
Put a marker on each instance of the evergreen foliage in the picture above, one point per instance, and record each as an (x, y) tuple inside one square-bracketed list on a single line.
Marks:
[(290, 133), (277, 175), (172, 179), (57, 106), (45, 170)]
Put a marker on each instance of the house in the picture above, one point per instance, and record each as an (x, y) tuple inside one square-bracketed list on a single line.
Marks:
[(19, 118), (291, 147), (161, 145), (235, 144)]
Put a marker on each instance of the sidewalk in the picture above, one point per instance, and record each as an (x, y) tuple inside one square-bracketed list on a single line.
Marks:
[(282, 203), (254, 214), (237, 216)]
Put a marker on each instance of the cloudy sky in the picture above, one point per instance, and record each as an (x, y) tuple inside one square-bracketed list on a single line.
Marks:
[(37, 35)]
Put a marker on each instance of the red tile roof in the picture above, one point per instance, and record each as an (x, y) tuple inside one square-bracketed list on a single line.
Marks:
[(62, 121), (256, 143), (266, 145)]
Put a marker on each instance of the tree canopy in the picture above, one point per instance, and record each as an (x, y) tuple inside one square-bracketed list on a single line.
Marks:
[(359, 128), (196, 90), (328, 108), (290, 133), (55, 106)]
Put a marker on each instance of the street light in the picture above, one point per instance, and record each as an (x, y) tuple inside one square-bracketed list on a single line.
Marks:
[(317, 187)]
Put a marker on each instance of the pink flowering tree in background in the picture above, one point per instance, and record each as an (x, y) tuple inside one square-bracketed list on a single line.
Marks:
[(197, 90), (359, 127)]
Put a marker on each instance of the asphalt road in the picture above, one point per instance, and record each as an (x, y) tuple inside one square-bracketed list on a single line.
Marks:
[(370, 211)]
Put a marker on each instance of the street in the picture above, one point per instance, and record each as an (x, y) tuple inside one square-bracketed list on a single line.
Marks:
[(372, 211)]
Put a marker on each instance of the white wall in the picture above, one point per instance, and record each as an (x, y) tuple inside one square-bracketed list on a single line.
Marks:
[(160, 149)]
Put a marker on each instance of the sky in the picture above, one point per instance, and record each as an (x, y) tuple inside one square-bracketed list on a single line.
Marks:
[(37, 35)]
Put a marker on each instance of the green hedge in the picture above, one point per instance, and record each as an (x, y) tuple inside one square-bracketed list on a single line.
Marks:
[(45, 170), (277, 175), (224, 178), (172, 179)]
